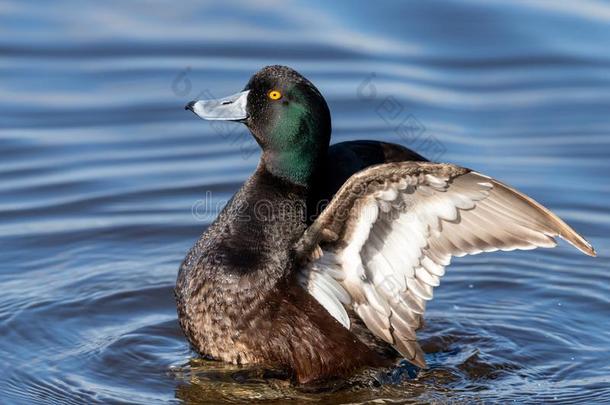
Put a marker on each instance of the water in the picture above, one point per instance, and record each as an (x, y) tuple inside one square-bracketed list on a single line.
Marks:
[(105, 182)]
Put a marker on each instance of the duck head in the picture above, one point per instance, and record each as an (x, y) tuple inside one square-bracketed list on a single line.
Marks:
[(287, 116)]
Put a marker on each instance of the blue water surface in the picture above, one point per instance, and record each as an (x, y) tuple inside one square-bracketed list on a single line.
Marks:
[(106, 182)]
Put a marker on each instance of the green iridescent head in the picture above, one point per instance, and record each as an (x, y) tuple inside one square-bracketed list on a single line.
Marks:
[(287, 116)]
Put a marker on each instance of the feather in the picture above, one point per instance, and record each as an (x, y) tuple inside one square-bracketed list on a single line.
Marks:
[(405, 221)]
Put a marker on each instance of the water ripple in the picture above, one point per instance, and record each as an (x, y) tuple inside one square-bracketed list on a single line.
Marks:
[(102, 174)]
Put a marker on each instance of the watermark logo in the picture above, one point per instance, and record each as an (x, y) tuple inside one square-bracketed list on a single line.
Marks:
[(404, 124)]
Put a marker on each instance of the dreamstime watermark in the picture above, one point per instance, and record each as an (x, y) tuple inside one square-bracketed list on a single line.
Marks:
[(262, 210), (182, 86), (405, 125), (267, 210)]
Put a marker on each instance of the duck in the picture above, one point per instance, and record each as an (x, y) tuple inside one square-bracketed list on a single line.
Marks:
[(323, 262)]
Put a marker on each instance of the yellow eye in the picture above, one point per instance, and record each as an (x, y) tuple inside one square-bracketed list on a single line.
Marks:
[(274, 95)]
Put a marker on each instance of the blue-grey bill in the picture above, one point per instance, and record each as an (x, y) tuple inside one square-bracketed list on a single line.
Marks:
[(232, 108)]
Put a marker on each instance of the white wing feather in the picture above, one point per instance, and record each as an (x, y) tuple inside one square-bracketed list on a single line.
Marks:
[(402, 227)]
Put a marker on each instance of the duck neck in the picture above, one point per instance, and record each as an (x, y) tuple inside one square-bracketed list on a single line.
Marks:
[(297, 157), (296, 165)]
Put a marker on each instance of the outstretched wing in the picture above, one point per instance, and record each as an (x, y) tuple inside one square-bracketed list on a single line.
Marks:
[(383, 242)]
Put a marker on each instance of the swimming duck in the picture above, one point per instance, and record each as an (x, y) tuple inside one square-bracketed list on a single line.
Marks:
[(322, 263)]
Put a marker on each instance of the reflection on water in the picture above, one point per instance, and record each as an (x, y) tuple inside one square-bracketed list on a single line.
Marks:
[(102, 175)]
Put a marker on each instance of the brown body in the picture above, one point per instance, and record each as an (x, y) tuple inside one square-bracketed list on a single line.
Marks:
[(238, 300)]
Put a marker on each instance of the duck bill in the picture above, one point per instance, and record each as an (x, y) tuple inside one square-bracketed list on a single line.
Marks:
[(232, 108)]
